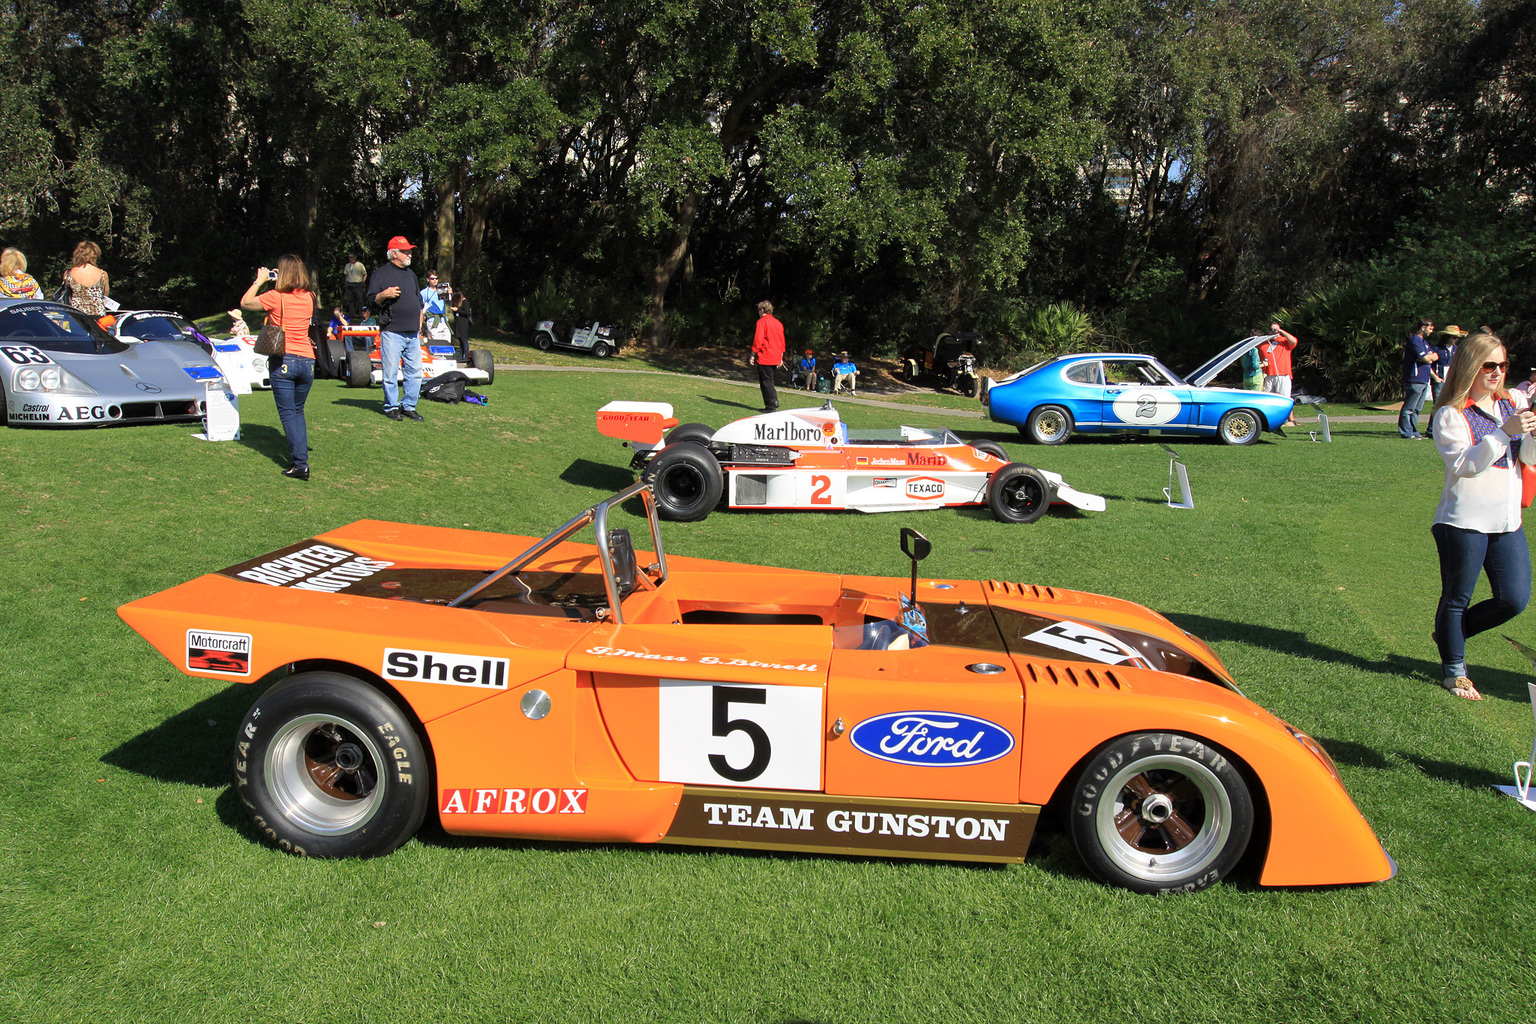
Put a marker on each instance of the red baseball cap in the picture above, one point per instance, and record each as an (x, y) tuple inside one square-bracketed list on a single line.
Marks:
[(398, 242)]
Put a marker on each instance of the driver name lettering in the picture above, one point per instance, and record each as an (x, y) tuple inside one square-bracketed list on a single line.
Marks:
[(318, 567), (785, 432), (708, 659)]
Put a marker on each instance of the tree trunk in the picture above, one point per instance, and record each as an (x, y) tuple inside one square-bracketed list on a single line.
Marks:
[(447, 223), (666, 266)]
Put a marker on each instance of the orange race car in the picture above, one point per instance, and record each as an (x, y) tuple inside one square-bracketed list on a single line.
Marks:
[(810, 459), (549, 689)]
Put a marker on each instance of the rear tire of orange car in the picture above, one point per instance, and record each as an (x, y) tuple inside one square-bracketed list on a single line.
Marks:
[(990, 447), (327, 766), (1018, 493), (687, 481), (1049, 424), (699, 432), (480, 359), (1160, 812)]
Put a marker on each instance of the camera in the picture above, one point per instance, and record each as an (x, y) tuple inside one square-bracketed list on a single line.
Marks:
[(271, 275), (445, 290)]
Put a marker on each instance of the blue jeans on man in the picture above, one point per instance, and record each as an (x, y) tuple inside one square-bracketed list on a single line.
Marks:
[(1465, 555), (1413, 402), (395, 349), (291, 380)]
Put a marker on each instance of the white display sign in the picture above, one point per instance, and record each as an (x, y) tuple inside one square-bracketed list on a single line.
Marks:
[(221, 420)]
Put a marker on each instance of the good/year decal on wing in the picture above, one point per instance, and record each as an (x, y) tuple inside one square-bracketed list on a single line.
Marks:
[(717, 733), (1146, 408)]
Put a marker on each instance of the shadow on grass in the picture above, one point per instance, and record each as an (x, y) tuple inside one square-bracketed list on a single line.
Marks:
[(730, 404), (193, 747), (269, 441), (599, 476)]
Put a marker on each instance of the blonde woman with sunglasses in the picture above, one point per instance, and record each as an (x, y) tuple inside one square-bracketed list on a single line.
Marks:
[(1483, 431)]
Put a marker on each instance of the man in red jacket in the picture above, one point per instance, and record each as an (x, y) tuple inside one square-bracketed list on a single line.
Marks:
[(768, 353)]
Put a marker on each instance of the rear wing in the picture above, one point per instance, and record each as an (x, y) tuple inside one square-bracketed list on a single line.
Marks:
[(641, 423)]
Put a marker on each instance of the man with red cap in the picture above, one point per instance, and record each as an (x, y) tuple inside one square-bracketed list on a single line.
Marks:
[(394, 291)]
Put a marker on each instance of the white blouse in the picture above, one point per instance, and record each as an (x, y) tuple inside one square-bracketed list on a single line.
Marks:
[(1479, 495)]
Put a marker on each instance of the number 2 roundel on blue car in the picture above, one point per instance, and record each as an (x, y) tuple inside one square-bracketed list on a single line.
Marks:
[(931, 739)]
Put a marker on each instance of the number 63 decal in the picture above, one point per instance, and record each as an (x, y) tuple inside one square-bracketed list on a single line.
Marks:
[(728, 734)]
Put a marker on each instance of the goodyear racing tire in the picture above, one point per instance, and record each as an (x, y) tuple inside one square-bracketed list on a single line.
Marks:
[(990, 447), (1018, 493), (601, 350), (483, 360), (335, 358), (542, 341), (1049, 424), (687, 481), (359, 370), (1159, 812), (1240, 426), (698, 432), (329, 767)]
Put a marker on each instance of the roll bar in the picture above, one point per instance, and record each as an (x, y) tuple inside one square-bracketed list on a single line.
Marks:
[(597, 516)]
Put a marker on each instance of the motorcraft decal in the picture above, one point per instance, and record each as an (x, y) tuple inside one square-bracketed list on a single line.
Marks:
[(931, 739), (210, 650), (513, 801), (309, 565), (816, 822), (439, 667)]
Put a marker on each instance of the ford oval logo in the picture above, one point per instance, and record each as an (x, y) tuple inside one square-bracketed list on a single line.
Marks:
[(931, 739)]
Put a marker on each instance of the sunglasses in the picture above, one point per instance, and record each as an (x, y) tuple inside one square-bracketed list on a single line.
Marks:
[(1491, 367)]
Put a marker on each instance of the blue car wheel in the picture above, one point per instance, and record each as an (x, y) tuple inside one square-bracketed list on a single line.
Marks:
[(1049, 424)]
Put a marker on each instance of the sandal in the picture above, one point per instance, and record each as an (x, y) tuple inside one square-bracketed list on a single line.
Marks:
[(1462, 687)]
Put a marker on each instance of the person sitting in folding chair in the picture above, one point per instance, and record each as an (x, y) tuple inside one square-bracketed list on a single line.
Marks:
[(844, 373), (805, 372)]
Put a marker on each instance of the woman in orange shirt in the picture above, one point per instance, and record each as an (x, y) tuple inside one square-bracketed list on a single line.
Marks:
[(291, 305)]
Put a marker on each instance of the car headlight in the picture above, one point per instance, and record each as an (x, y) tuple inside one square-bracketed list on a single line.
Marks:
[(1316, 749), (51, 378), (27, 380)]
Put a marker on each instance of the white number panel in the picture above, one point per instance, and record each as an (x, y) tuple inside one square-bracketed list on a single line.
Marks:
[(729, 734), (1084, 641), (25, 355), (1146, 408)]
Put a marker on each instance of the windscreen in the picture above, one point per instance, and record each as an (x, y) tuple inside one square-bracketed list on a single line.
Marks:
[(55, 328)]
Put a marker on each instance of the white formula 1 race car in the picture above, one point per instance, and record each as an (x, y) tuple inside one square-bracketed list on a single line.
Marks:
[(810, 459)]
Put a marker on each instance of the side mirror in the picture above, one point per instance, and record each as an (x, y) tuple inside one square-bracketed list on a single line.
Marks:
[(916, 547)]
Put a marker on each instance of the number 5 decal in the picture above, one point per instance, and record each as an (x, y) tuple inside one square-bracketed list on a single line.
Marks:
[(726, 734)]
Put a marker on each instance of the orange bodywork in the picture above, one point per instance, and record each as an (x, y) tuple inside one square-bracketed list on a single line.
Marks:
[(656, 725)]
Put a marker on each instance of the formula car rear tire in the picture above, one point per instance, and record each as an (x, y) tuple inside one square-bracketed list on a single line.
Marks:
[(1049, 424), (359, 370), (1240, 426), (1018, 493), (697, 432), (483, 360), (1159, 812), (601, 350), (328, 766), (687, 481), (990, 447), (335, 358)]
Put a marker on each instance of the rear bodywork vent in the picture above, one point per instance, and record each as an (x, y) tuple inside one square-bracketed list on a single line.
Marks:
[(1073, 675), (1024, 590)]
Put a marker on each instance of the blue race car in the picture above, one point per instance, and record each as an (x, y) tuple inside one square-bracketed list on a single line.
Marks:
[(1118, 392)]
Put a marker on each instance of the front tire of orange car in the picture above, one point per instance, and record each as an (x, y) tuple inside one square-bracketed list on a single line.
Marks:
[(329, 767), (1018, 493), (1160, 812)]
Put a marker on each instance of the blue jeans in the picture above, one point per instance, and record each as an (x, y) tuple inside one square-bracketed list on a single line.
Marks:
[(1413, 401), (291, 381), (1463, 555), (396, 348)]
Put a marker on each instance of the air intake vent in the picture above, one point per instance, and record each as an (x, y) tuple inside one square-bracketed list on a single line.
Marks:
[(1069, 675), (1025, 590)]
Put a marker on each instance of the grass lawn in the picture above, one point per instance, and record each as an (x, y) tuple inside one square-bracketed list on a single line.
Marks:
[(133, 887)]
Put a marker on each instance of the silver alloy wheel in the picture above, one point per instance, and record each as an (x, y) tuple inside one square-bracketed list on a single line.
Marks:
[(323, 772), (1239, 427), (1165, 817)]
